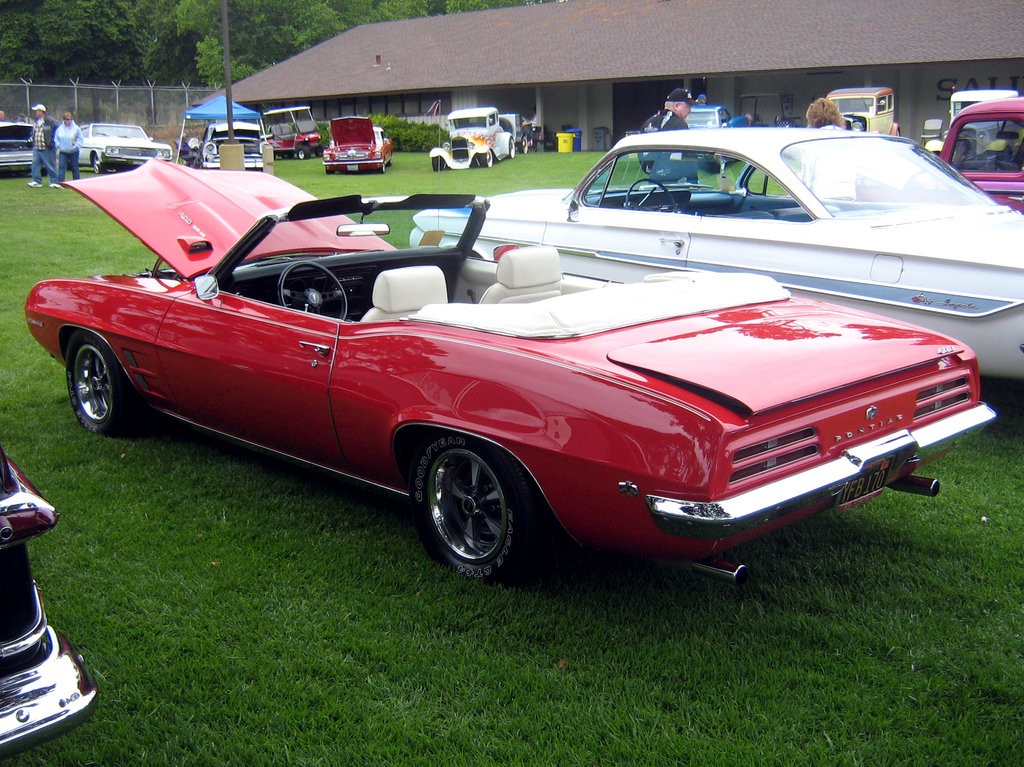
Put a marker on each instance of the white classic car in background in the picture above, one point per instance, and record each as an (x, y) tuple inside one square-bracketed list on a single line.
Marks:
[(478, 138), (113, 146), (247, 134), (868, 221)]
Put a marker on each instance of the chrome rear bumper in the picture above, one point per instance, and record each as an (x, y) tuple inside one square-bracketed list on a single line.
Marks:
[(46, 699), (716, 520)]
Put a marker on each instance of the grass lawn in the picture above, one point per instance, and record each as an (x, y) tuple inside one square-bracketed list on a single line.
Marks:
[(240, 611)]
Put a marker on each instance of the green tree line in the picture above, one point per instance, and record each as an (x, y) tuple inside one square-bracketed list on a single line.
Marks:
[(172, 41)]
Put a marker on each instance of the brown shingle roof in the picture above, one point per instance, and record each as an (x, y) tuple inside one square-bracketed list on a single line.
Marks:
[(590, 40)]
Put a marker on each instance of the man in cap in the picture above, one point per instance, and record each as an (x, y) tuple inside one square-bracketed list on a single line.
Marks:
[(44, 152), (678, 104), (673, 116)]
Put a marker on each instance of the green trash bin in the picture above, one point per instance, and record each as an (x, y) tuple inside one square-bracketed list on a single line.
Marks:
[(565, 141)]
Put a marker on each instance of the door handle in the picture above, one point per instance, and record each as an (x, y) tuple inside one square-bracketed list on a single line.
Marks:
[(322, 349), (676, 241)]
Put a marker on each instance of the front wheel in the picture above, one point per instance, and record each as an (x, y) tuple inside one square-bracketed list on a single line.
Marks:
[(302, 152), (476, 510), (97, 166), (101, 396)]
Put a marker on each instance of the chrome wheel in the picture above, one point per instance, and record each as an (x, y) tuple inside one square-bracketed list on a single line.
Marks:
[(101, 396), (476, 509), (467, 505), (91, 381)]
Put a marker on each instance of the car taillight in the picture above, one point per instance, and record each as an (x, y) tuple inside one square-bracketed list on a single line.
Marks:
[(772, 453), (941, 396)]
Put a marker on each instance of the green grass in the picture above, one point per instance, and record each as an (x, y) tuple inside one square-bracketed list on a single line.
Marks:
[(240, 611)]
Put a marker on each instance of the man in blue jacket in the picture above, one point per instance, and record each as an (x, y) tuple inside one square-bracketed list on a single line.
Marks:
[(44, 152)]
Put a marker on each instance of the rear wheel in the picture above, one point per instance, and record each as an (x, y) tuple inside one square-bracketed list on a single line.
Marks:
[(101, 396), (476, 510), (511, 149)]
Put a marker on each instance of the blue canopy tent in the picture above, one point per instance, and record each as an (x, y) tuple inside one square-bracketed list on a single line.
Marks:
[(213, 110), (217, 109)]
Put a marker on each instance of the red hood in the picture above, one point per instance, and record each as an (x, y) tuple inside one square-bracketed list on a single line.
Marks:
[(798, 350), (168, 207), (352, 130)]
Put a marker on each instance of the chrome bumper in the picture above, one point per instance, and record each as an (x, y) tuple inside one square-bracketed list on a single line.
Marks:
[(715, 520), (44, 700)]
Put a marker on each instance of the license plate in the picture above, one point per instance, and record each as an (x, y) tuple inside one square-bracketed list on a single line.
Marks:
[(869, 482)]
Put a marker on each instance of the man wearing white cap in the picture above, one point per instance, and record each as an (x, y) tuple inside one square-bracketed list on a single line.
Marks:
[(44, 151)]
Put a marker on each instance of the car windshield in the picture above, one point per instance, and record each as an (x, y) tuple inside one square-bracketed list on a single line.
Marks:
[(875, 175), (241, 134), (854, 104), (706, 118), (989, 146), (461, 123), (120, 131)]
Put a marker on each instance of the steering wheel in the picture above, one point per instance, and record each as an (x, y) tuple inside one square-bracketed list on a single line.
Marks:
[(628, 203), (318, 292)]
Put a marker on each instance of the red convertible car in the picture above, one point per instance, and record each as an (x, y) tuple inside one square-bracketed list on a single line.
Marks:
[(520, 409), (45, 689)]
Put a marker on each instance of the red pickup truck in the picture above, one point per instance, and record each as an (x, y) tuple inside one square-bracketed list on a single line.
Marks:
[(986, 144)]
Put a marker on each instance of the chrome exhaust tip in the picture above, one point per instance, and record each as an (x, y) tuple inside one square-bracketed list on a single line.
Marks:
[(721, 569), (917, 486)]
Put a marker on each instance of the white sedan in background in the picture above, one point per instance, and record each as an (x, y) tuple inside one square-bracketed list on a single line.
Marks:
[(868, 221), (112, 146)]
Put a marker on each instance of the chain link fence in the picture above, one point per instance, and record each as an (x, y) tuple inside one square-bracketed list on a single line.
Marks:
[(158, 109)]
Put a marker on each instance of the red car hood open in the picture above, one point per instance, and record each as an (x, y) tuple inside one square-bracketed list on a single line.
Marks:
[(170, 207), (795, 355), (352, 130)]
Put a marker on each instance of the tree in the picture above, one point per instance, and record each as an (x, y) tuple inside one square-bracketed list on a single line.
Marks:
[(168, 54), (20, 53), (89, 40), (262, 32)]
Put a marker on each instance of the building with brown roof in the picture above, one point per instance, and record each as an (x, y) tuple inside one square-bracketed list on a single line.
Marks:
[(608, 64)]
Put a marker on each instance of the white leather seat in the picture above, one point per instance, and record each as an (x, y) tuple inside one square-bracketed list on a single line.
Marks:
[(526, 274), (399, 292)]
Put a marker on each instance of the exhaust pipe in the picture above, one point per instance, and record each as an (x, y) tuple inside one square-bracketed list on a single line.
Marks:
[(917, 486), (721, 569)]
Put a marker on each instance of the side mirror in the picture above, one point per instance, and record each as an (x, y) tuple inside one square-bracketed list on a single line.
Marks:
[(574, 211), (206, 287)]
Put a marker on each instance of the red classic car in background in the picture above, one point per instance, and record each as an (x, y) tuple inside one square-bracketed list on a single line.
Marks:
[(357, 144), (292, 132), (986, 144), (521, 410), (45, 689)]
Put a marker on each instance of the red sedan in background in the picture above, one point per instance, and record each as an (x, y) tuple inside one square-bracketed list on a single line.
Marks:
[(357, 145)]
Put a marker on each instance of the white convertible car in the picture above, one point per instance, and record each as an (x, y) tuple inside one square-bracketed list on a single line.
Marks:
[(868, 221)]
